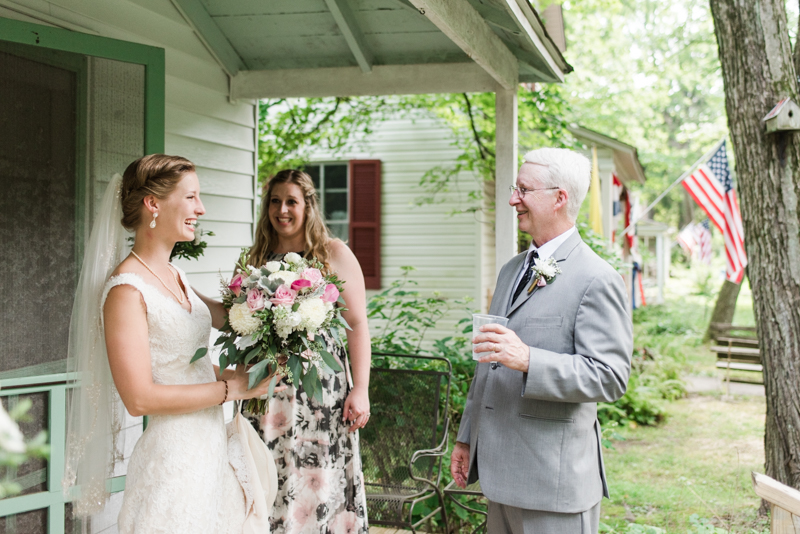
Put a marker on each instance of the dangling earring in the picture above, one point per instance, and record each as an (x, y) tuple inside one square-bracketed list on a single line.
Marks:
[(153, 222)]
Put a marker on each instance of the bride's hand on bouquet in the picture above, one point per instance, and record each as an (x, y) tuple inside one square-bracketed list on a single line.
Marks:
[(238, 390), (356, 408)]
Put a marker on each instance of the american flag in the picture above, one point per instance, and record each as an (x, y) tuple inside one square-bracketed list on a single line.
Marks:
[(703, 233), (711, 186), (687, 239)]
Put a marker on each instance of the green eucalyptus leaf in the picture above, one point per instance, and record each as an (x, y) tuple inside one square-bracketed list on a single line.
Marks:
[(295, 366), (330, 361), (199, 354), (344, 322), (272, 386), (255, 373), (252, 354)]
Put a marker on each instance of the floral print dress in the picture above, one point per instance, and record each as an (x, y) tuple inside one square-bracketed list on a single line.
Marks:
[(320, 482)]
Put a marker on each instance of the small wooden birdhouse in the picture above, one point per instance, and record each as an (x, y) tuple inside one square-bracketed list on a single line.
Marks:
[(784, 117)]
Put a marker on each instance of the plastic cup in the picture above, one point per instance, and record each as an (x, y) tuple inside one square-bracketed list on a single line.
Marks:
[(478, 320)]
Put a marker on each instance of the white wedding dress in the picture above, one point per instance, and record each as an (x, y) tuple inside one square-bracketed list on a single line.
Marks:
[(185, 475)]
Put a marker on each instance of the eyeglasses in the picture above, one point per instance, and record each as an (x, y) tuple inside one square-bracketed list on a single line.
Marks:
[(521, 191)]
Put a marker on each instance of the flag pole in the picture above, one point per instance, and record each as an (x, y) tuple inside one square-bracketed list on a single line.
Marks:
[(673, 184)]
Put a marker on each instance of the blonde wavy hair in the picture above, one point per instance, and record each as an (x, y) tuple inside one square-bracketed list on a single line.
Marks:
[(317, 238)]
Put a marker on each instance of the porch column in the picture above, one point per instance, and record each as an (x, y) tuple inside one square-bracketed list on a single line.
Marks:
[(505, 175)]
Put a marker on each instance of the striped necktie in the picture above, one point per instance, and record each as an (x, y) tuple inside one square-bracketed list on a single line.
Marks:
[(526, 276)]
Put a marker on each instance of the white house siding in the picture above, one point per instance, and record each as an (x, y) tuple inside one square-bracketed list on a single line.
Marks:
[(449, 251), (201, 123)]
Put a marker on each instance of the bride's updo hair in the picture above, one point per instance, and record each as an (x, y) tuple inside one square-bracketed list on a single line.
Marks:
[(157, 175)]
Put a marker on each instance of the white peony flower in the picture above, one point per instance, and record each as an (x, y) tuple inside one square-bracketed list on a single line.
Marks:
[(292, 257), (286, 276), (11, 439), (273, 266), (313, 312), (242, 321)]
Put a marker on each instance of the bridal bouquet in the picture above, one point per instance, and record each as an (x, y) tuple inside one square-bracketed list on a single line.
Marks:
[(278, 316)]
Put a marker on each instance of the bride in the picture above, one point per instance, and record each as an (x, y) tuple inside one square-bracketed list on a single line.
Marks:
[(141, 327)]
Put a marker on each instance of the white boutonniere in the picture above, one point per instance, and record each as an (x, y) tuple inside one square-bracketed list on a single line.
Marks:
[(544, 271)]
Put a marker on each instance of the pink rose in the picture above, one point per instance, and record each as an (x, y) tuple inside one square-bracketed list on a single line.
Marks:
[(542, 282), (236, 284), (312, 275), (255, 300), (331, 294), (300, 284), (283, 295)]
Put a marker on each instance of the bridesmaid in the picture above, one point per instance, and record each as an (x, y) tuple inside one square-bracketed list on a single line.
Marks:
[(315, 444)]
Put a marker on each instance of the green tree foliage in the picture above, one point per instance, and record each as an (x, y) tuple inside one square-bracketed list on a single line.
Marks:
[(648, 74), (542, 112), (290, 129)]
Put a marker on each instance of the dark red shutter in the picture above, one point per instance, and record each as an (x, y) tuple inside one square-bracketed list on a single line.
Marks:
[(365, 218)]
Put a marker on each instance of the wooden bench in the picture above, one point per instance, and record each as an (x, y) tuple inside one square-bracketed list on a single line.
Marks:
[(737, 349), (784, 503)]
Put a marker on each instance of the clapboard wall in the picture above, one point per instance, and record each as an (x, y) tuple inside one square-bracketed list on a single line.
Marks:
[(449, 250)]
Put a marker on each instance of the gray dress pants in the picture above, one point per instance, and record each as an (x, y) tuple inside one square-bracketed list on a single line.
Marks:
[(511, 520)]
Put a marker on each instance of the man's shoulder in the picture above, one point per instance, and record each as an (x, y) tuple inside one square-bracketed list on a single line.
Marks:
[(591, 265)]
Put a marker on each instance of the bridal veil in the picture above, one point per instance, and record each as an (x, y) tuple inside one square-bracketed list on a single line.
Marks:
[(94, 410)]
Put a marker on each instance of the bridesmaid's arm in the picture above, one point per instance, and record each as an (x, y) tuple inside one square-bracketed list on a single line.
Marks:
[(344, 262), (128, 346), (218, 312)]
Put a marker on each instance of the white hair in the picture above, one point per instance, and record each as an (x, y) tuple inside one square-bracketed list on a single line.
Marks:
[(567, 170)]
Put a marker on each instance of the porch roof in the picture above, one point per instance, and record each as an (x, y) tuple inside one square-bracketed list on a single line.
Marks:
[(626, 157), (295, 48)]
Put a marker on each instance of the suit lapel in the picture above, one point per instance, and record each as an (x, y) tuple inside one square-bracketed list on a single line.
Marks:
[(506, 285), (561, 255)]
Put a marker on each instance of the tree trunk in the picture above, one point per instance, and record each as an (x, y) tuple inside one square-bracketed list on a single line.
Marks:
[(725, 306), (758, 71)]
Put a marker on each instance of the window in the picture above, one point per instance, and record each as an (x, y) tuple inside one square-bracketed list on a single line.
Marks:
[(331, 182), (350, 200)]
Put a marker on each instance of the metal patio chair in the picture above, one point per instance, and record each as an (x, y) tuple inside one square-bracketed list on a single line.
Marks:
[(403, 444)]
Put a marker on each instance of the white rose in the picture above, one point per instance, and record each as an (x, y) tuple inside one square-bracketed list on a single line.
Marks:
[(292, 257), (314, 312), (286, 276), (242, 321), (273, 266), (11, 439)]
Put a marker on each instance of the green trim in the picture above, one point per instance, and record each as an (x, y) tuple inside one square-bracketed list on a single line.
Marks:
[(116, 484), (26, 503), (58, 434), (38, 388), (153, 58), (31, 384)]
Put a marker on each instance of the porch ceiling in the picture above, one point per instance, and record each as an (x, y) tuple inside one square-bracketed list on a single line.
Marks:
[(337, 47)]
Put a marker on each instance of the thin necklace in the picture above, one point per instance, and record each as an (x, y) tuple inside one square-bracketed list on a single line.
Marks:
[(179, 299)]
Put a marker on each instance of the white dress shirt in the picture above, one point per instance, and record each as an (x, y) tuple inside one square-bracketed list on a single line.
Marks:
[(545, 251)]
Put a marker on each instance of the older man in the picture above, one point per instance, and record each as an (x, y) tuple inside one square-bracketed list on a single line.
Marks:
[(529, 430)]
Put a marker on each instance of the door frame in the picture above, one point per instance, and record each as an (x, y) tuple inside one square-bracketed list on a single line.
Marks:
[(56, 385)]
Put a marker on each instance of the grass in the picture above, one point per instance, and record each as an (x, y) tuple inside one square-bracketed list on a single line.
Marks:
[(698, 462), (694, 467)]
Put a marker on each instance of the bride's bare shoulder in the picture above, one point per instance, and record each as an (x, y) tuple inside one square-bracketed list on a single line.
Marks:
[(128, 265), (123, 293)]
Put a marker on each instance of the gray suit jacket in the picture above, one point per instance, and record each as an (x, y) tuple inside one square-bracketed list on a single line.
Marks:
[(534, 437)]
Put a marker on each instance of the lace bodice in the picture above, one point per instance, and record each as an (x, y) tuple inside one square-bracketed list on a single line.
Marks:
[(179, 477), (175, 334)]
